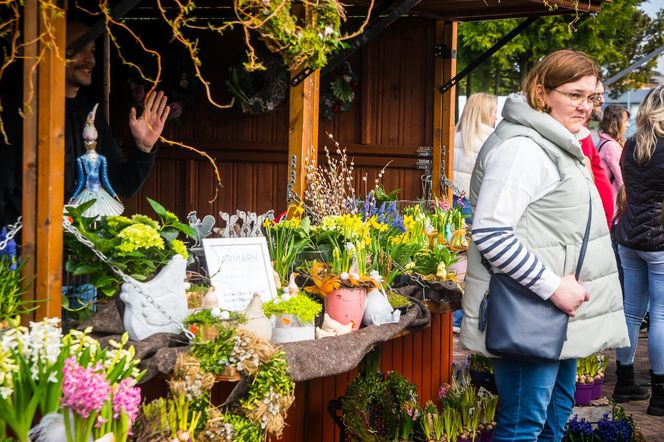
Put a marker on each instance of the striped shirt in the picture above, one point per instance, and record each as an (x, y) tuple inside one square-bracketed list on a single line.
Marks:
[(516, 173)]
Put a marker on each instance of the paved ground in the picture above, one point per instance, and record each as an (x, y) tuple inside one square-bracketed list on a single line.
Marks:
[(652, 427)]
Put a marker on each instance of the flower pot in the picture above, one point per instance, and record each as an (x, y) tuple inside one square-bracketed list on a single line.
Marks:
[(346, 305), (597, 389), (486, 436), (582, 394), (287, 328), (145, 316)]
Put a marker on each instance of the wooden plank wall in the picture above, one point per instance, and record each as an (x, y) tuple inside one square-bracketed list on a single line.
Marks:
[(422, 357), (390, 119)]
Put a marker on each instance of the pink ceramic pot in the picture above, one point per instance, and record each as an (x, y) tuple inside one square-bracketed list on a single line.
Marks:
[(347, 305)]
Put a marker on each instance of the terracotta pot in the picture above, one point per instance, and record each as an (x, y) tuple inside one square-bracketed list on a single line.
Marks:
[(583, 393), (347, 305)]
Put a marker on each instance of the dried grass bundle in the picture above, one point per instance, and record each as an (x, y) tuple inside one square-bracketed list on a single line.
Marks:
[(272, 413)]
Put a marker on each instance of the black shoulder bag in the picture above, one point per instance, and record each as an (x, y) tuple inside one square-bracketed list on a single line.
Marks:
[(521, 325)]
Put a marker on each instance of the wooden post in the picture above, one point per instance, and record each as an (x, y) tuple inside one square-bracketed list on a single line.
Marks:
[(29, 204), (443, 108), (43, 178), (302, 130)]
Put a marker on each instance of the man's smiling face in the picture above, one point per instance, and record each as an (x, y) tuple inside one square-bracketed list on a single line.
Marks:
[(79, 65)]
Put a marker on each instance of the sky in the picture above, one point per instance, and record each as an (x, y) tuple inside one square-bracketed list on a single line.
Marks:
[(651, 7)]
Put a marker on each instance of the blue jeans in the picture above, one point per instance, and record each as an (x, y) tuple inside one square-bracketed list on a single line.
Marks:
[(644, 289), (536, 399)]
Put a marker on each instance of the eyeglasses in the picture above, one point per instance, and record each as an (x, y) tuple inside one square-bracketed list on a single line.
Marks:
[(577, 100)]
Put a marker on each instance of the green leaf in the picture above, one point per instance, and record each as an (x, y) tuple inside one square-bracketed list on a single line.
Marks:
[(169, 234), (158, 208)]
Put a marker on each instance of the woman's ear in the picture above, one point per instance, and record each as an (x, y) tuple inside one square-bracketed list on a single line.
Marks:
[(540, 94)]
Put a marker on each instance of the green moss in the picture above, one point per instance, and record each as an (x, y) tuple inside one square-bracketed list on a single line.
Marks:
[(397, 300), (300, 306)]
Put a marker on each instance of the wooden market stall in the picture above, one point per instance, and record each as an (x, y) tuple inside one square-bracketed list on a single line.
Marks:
[(399, 117)]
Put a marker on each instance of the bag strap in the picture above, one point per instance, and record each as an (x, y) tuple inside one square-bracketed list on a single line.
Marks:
[(586, 235), (599, 148)]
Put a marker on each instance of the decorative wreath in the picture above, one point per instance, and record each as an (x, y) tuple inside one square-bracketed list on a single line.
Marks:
[(259, 91), (269, 388), (340, 93)]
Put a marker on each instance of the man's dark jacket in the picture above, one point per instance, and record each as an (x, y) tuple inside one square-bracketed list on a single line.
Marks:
[(126, 175)]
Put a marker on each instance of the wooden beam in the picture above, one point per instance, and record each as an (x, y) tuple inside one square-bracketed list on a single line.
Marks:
[(45, 205), (443, 109), (29, 208), (302, 130)]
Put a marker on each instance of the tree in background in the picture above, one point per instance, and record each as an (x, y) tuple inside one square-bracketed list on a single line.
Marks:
[(616, 37)]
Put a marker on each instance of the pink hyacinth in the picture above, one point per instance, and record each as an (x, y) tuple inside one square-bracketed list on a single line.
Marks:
[(128, 398), (84, 390)]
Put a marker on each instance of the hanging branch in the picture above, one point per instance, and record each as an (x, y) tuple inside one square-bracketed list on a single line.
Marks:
[(49, 10), (191, 47)]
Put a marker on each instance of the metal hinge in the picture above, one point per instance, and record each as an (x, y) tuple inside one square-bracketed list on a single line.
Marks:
[(423, 164), (424, 151), (442, 50)]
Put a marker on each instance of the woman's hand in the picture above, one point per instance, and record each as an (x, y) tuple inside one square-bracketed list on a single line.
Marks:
[(569, 296)]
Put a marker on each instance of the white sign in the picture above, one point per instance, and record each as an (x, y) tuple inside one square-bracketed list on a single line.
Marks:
[(239, 267)]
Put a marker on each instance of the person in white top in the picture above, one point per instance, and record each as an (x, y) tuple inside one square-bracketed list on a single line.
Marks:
[(474, 127)]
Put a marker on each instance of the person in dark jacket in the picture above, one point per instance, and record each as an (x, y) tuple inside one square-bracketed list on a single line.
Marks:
[(126, 174), (640, 236)]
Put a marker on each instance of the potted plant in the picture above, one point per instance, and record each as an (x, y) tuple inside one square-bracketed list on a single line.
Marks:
[(602, 362), (488, 406), (292, 317), (147, 251), (81, 390), (286, 240), (585, 379)]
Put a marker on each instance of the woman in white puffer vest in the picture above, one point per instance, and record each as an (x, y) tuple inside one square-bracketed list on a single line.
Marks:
[(474, 127), (530, 190)]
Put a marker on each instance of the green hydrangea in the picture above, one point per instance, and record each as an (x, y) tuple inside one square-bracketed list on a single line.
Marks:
[(142, 219), (179, 248), (139, 236), (117, 222)]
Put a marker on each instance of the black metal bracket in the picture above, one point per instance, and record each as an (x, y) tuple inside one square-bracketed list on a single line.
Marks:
[(358, 42), (119, 11), (488, 53), (442, 50)]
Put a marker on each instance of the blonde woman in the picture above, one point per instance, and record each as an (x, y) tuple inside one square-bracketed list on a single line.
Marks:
[(474, 127), (640, 237)]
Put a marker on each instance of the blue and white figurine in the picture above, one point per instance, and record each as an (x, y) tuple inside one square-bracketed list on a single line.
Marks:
[(91, 170)]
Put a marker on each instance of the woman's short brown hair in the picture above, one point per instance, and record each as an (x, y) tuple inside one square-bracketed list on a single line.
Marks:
[(556, 69), (612, 122)]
